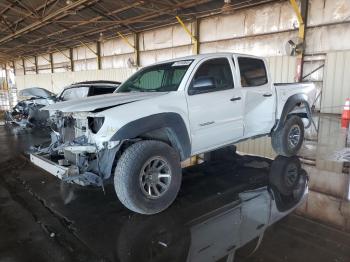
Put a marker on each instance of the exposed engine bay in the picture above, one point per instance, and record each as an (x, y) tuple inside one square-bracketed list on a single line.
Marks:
[(73, 148)]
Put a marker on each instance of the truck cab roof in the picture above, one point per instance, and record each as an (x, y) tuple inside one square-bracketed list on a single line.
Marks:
[(208, 55)]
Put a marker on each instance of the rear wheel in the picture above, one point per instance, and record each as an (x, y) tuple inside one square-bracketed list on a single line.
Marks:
[(287, 140), (148, 177), (285, 173)]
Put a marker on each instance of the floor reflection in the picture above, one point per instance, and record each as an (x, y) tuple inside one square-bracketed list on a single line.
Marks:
[(205, 232), (328, 201), (226, 210)]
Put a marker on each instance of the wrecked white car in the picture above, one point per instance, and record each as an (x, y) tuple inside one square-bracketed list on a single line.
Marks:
[(166, 113), (27, 112)]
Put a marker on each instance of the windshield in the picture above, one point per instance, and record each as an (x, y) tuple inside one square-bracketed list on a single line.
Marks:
[(159, 78)]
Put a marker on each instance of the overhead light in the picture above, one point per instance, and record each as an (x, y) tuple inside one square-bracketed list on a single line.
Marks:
[(101, 37), (227, 7), (68, 2)]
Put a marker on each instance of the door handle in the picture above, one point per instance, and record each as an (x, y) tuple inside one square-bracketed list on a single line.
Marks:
[(235, 98), (267, 95)]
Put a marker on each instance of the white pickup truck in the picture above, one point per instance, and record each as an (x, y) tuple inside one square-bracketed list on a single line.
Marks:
[(166, 113)]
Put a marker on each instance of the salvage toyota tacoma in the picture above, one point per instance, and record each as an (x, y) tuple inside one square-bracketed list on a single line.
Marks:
[(166, 113)]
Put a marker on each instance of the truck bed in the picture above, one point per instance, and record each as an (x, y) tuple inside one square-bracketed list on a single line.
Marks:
[(285, 90)]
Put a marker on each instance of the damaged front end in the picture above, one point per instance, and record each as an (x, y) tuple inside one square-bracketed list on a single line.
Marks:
[(18, 116), (74, 155), (28, 113)]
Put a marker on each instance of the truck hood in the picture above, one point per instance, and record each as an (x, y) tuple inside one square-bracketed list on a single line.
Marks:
[(102, 101)]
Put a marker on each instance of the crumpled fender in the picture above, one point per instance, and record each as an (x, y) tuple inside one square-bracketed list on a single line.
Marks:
[(171, 122)]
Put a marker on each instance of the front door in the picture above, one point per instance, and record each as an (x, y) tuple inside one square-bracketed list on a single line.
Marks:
[(215, 106)]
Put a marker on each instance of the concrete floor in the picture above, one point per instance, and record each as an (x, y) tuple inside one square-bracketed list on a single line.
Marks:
[(42, 219)]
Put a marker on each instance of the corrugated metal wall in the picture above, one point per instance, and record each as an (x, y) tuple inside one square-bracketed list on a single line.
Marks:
[(56, 81), (282, 69), (336, 87)]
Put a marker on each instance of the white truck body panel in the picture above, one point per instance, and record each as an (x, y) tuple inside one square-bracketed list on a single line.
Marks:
[(284, 91)]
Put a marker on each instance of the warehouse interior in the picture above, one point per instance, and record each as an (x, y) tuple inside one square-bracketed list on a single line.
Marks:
[(52, 44)]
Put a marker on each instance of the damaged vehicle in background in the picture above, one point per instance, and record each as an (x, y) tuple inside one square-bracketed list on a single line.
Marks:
[(166, 113), (28, 113)]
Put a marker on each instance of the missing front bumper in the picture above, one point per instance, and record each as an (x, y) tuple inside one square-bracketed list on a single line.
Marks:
[(65, 173), (49, 166)]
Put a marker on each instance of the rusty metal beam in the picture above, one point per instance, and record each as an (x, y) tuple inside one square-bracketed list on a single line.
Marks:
[(14, 9), (125, 39), (301, 22), (20, 20), (140, 18), (302, 17), (58, 32), (88, 47), (6, 8), (69, 41), (45, 20), (61, 52), (26, 9), (191, 34)]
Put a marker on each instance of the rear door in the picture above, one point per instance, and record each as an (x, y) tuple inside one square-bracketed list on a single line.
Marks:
[(259, 96), (215, 115)]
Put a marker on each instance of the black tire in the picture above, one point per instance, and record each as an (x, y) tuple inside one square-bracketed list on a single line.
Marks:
[(127, 175), (281, 141), (285, 174)]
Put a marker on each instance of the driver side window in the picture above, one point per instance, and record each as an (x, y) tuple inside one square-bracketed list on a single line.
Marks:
[(211, 76)]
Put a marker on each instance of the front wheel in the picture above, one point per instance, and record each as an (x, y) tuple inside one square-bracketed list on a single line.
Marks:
[(287, 140), (148, 177)]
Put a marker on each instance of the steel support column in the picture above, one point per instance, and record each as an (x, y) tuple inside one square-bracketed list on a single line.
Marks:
[(136, 50), (302, 20), (98, 54), (24, 66), (51, 63), (14, 67), (36, 64), (71, 59)]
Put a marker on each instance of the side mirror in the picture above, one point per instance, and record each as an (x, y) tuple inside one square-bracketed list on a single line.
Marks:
[(202, 84)]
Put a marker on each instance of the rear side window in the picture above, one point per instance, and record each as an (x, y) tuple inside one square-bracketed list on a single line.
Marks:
[(253, 71), (219, 71), (100, 90)]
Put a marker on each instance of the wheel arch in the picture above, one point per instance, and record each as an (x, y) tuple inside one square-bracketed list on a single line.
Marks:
[(291, 103), (167, 127)]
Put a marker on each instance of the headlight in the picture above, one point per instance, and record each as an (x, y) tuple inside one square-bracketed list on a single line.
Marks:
[(95, 123)]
